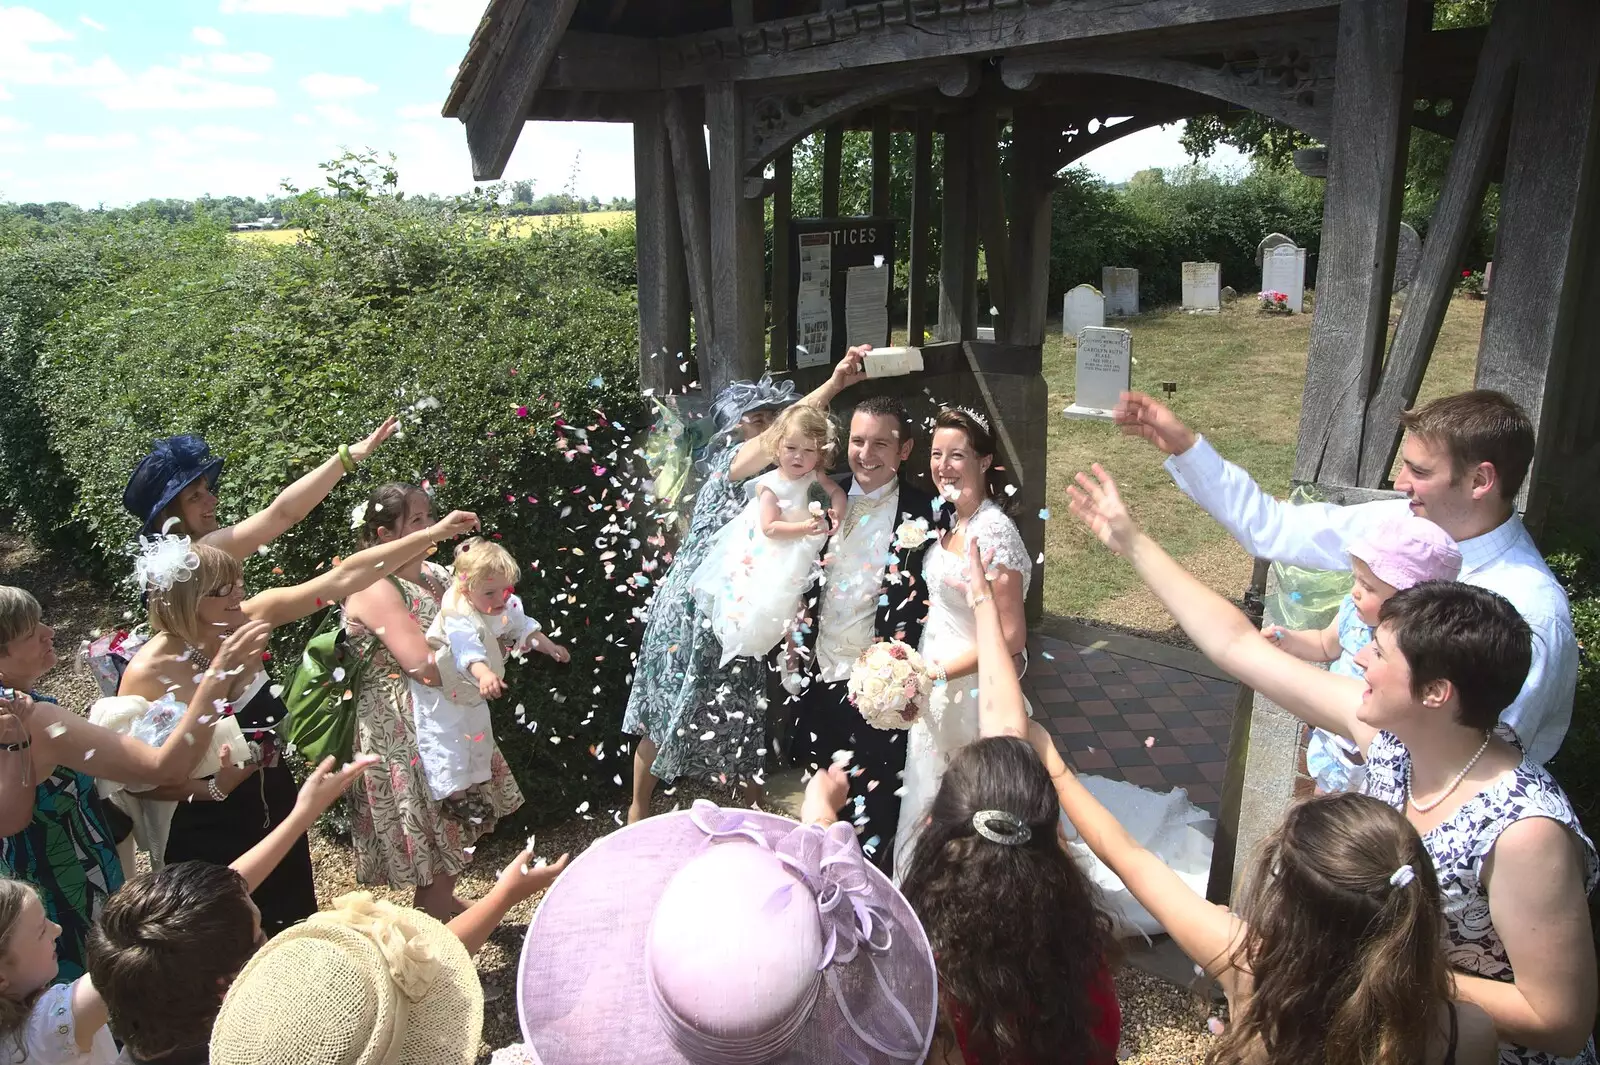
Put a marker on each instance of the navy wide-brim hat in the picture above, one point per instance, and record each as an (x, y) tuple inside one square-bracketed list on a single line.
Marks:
[(173, 465)]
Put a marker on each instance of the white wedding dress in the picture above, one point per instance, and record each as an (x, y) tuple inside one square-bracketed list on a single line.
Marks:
[(1168, 825), (950, 720)]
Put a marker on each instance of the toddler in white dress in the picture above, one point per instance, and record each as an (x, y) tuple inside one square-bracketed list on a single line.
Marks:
[(44, 1024), (479, 622), (750, 582)]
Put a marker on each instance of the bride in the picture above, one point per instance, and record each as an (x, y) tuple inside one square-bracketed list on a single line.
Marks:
[(964, 474)]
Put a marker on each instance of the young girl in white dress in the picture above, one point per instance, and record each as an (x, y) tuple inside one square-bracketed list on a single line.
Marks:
[(962, 466), (750, 582), (478, 624)]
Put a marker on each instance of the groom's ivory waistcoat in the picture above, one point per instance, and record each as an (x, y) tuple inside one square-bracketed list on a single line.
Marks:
[(854, 580)]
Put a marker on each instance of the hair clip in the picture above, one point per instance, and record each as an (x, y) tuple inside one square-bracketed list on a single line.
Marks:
[(1402, 876), (1013, 832)]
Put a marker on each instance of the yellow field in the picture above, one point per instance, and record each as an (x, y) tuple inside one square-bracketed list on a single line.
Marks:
[(521, 227)]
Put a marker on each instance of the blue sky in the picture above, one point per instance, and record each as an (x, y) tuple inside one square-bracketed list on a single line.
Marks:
[(112, 101)]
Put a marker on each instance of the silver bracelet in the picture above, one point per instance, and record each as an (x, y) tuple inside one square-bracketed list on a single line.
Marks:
[(979, 600), (215, 792)]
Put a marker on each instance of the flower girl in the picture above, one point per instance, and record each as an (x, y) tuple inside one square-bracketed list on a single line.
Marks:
[(478, 624), (750, 582)]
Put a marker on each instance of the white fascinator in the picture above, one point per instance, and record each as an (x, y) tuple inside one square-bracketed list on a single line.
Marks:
[(164, 561)]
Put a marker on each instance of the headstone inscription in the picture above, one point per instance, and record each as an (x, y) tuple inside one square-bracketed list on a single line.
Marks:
[(1104, 358)]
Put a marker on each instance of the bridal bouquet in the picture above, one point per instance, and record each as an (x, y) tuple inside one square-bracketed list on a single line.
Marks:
[(887, 682)]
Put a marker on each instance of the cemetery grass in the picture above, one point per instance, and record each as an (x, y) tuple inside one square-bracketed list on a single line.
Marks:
[(1239, 377)]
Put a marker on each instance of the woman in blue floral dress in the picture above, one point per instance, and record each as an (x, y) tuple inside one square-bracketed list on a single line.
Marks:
[(694, 718)]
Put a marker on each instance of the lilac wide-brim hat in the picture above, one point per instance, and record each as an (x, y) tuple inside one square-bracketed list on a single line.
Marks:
[(726, 937)]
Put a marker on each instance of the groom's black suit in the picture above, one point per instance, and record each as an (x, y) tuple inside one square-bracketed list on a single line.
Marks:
[(826, 721)]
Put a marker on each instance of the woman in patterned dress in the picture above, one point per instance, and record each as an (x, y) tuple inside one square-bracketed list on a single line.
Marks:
[(1515, 867), (402, 837), (694, 717)]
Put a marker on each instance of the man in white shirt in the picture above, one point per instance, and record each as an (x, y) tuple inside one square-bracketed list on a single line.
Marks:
[(871, 590), (1462, 463)]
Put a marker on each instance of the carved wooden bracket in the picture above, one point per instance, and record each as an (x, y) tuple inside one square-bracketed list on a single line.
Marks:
[(775, 121), (1287, 84)]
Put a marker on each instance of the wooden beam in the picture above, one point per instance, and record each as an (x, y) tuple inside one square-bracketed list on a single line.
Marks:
[(991, 200), (737, 272), (904, 32), (1033, 149), (958, 245), (782, 212), (1428, 298), (663, 273), (921, 223), (603, 62), (1534, 308), (692, 180), (832, 150), (882, 142), (512, 79), (1289, 107), (1360, 227)]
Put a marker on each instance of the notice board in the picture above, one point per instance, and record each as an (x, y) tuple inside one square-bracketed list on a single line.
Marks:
[(842, 272)]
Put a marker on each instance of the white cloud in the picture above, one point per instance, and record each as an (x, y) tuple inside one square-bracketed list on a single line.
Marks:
[(168, 89), (339, 115), (324, 8), (91, 23), (1158, 146), (336, 86), (225, 135), (447, 16), (27, 26), (209, 37), (239, 62), (21, 28), (9, 124), (89, 142), (414, 112), (4, 95)]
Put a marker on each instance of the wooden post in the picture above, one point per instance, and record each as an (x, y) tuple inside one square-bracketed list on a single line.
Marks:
[(1224, 856), (782, 212), (1361, 224), (1033, 148), (921, 220), (1534, 310), (736, 248), (663, 273), (991, 202), (1482, 125), (882, 140), (692, 181), (832, 147), (958, 248)]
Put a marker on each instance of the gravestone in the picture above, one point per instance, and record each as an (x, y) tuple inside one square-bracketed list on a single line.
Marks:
[(1268, 242), (1407, 255), (1202, 287), (1488, 276), (1081, 307), (985, 332), (1121, 287), (1104, 358), (1284, 270)]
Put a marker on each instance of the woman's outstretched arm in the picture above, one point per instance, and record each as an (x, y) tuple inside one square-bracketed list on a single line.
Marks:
[(1218, 628)]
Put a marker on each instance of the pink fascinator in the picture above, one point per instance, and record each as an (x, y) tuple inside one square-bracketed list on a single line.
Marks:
[(726, 937)]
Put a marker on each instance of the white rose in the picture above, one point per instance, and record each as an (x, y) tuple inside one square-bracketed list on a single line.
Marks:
[(902, 670)]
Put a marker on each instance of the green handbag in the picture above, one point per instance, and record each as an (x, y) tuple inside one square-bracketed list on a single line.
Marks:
[(323, 694)]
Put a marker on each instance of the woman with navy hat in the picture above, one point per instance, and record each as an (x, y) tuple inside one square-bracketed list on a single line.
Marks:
[(177, 482), (679, 682)]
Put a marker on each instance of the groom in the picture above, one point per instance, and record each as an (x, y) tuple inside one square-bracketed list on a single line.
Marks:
[(871, 589)]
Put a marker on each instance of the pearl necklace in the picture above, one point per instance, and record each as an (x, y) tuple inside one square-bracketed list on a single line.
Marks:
[(1422, 808)]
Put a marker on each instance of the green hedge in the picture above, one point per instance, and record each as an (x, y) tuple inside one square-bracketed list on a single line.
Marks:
[(279, 354)]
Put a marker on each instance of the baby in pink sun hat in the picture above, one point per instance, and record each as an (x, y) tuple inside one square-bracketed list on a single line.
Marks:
[(1388, 558)]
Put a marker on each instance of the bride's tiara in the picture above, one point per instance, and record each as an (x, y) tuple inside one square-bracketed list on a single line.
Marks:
[(975, 416)]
